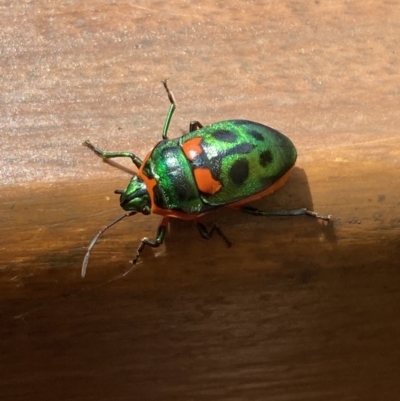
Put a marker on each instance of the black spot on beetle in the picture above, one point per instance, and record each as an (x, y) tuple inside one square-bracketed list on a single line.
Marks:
[(242, 148), (185, 190), (225, 135), (239, 171), (266, 158), (256, 135)]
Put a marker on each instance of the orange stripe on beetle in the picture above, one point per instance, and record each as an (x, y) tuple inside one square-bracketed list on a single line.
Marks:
[(192, 148), (205, 181)]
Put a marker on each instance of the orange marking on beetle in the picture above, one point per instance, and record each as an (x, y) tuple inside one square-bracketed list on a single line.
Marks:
[(192, 148), (150, 184), (205, 181)]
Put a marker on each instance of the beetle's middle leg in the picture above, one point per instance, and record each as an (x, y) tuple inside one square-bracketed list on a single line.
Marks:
[(207, 234), (172, 107), (162, 229), (296, 212), (195, 125), (109, 155)]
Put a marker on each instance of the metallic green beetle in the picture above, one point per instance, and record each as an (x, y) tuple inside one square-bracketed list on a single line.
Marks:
[(226, 164)]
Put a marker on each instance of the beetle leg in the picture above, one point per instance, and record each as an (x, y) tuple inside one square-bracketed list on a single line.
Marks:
[(170, 111), (207, 234), (195, 125), (109, 155), (296, 212), (162, 228)]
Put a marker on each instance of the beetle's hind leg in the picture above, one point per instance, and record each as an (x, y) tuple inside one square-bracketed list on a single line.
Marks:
[(207, 234), (110, 155), (297, 212), (195, 125), (162, 228)]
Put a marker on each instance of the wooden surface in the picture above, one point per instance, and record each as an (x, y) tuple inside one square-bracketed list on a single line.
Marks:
[(296, 309)]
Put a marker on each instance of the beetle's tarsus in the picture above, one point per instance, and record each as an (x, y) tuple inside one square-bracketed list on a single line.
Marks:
[(145, 241), (88, 144), (169, 93), (318, 216), (296, 212), (162, 228), (195, 125), (171, 110), (207, 234), (140, 249), (96, 150)]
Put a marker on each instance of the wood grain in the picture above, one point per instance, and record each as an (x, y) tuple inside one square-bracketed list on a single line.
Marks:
[(296, 309)]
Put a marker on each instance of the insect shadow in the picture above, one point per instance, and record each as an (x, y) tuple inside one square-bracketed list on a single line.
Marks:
[(245, 231)]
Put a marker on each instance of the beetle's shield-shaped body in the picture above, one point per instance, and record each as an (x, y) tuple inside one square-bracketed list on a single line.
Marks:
[(221, 164)]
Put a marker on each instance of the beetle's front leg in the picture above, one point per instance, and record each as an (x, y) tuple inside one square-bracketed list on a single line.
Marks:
[(296, 212), (162, 229), (109, 155), (207, 234)]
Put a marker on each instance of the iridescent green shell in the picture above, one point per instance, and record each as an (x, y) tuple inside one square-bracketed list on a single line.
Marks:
[(244, 157)]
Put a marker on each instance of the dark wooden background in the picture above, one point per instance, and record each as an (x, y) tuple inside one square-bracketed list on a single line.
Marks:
[(296, 309)]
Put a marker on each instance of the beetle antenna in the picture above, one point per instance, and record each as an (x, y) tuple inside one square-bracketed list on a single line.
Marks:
[(95, 239)]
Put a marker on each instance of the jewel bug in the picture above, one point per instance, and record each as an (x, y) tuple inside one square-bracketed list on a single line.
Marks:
[(225, 164)]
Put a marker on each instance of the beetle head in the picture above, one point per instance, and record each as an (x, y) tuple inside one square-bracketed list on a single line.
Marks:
[(135, 197)]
